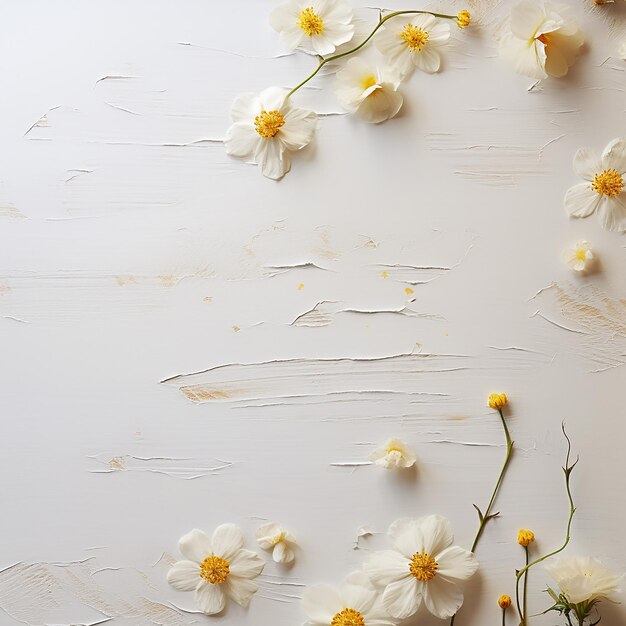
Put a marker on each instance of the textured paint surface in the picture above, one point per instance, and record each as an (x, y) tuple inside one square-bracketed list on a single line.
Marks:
[(186, 343)]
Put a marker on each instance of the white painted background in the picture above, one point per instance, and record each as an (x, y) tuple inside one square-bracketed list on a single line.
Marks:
[(133, 250)]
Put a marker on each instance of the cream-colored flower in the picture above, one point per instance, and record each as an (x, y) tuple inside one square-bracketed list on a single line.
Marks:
[(356, 602), (578, 257), (274, 537), (267, 128), (368, 90), (216, 567), (583, 578), (413, 42), (543, 39), (622, 50), (603, 192), (395, 454), (317, 26), (423, 566)]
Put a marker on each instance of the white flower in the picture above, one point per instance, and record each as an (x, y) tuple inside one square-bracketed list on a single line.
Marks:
[(583, 578), (318, 26), (355, 603), (579, 257), (424, 565), (413, 42), (273, 537), (544, 39), (622, 50), (216, 568), (365, 89), (394, 454), (266, 128), (603, 190)]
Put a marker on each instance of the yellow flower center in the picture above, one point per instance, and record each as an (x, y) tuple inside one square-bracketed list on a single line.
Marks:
[(310, 22), (526, 537), (268, 123), (608, 183), (348, 617), (279, 538), (423, 566), (415, 38), (368, 81), (581, 254), (214, 569), (463, 19)]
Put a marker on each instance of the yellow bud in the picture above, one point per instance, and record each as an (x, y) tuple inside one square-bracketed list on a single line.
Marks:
[(463, 19), (525, 537), (498, 400), (504, 601)]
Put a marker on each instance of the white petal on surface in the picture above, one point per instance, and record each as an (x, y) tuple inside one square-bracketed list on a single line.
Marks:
[(210, 599), (358, 596), (581, 200), (614, 156), (442, 598), (195, 546), (245, 108), (406, 535), (322, 45), (227, 540), (273, 98), (242, 141), (386, 566), (612, 213), (456, 564), (271, 156), (439, 34), (299, 129), (321, 603), (246, 564), (403, 598), (587, 163), (428, 60), (437, 532), (283, 553), (526, 17), (381, 106), (266, 534), (241, 590), (526, 59), (283, 17), (184, 575)]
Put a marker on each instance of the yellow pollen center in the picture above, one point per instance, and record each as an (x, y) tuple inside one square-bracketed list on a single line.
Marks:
[(214, 569), (310, 22), (415, 38), (423, 566), (581, 254), (368, 81), (268, 123), (348, 617), (608, 183)]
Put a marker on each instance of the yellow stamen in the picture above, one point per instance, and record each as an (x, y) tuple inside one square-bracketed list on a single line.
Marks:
[(608, 183), (368, 81), (348, 617), (525, 537), (423, 566), (268, 123), (463, 19), (214, 569), (415, 38), (498, 400), (581, 254), (310, 22)]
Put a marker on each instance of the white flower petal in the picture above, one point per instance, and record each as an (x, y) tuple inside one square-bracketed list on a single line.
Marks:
[(442, 598), (527, 58), (581, 200), (587, 163), (437, 533), (195, 546), (612, 213), (273, 98), (241, 590), (210, 598), (245, 108), (321, 603), (381, 106), (267, 534), (456, 564), (184, 575), (428, 60), (246, 564), (526, 18), (242, 141), (227, 540), (283, 553), (272, 158), (614, 156), (407, 536), (299, 129), (403, 597), (357, 596), (386, 566)]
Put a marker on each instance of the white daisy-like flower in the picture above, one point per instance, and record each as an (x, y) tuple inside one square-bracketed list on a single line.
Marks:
[(267, 128), (543, 39), (413, 42), (216, 567), (356, 602), (423, 566), (368, 90), (578, 257), (603, 192), (583, 578), (274, 537), (394, 454), (317, 26)]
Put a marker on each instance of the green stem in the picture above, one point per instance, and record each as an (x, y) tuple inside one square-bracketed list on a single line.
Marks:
[(572, 509), (524, 594), (363, 43), (484, 518)]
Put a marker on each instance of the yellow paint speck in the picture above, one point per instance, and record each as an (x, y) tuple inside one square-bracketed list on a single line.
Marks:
[(300, 286), (384, 274), (408, 291)]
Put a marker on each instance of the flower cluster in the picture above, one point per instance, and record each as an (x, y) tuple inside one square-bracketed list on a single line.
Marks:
[(267, 127)]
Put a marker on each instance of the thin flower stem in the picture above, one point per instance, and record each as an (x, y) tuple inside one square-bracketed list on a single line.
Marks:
[(572, 509), (524, 594), (486, 516), (503, 617), (324, 61)]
